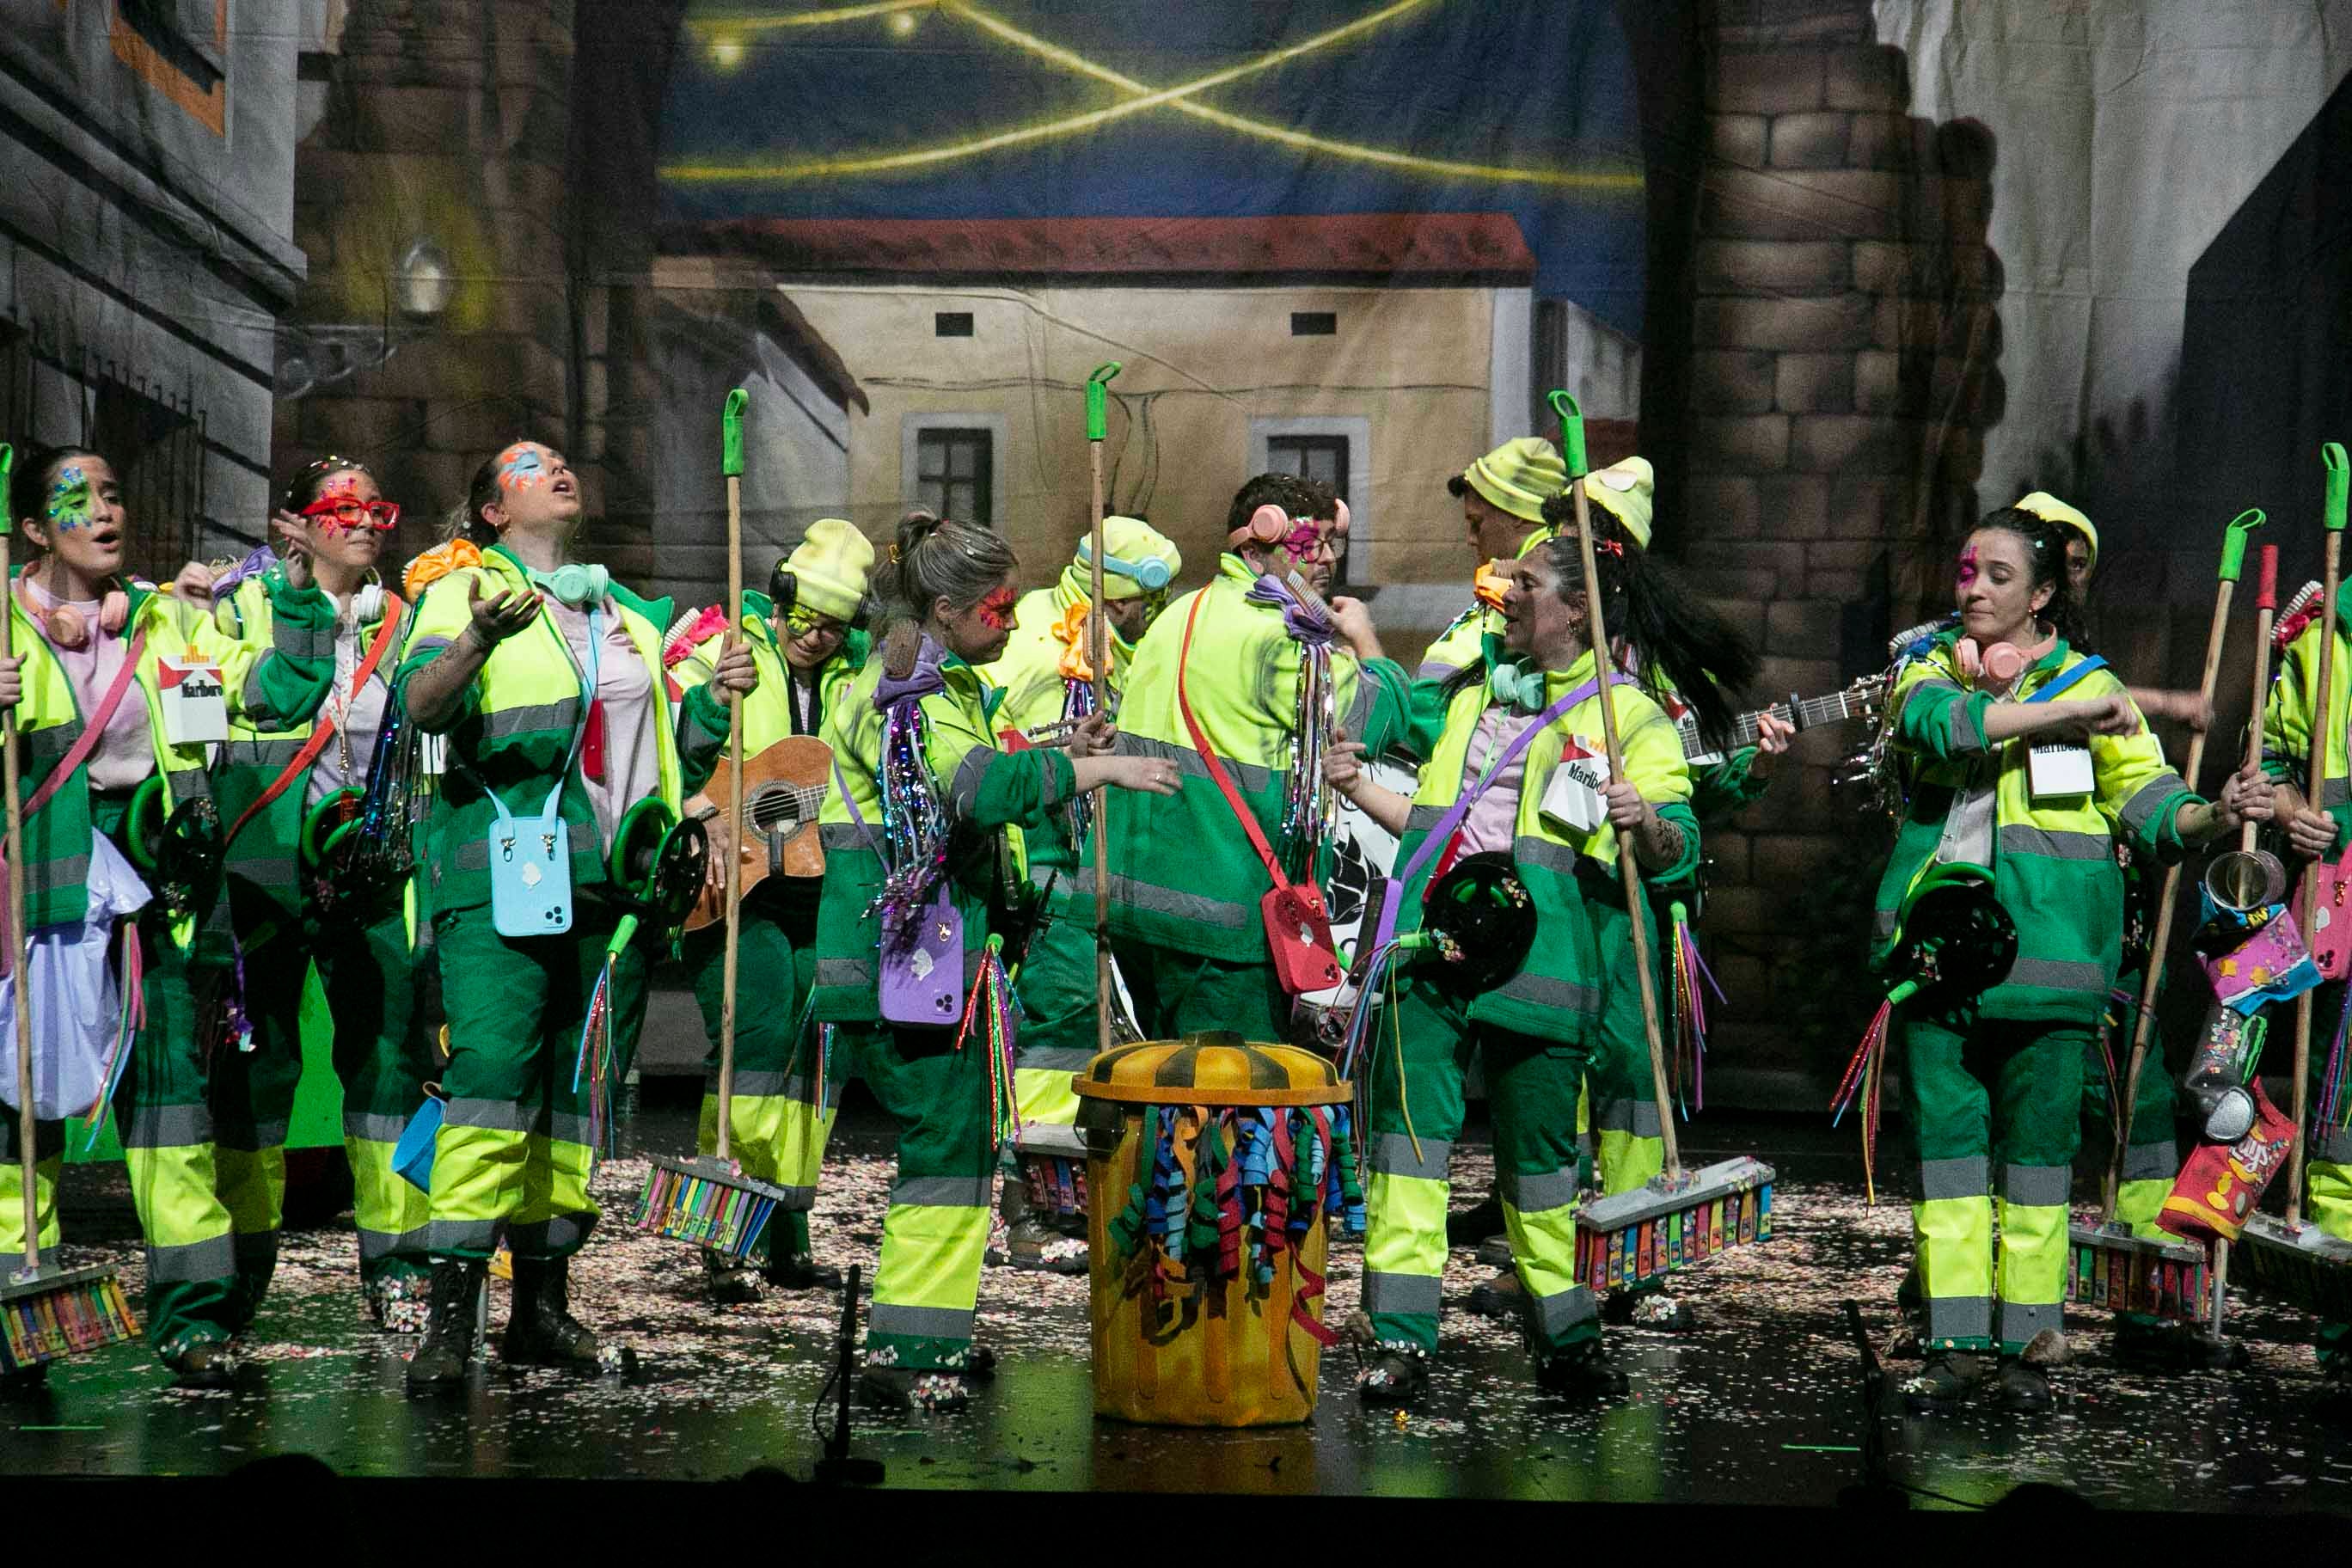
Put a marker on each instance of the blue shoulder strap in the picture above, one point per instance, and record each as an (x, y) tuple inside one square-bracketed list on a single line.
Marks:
[(2068, 678)]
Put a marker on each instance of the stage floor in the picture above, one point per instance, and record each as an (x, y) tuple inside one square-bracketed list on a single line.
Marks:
[(1760, 1405)]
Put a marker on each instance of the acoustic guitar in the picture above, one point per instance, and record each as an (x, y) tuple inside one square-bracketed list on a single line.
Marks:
[(783, 788)]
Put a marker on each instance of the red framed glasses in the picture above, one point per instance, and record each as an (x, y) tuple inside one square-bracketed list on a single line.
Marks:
[(341, 511)]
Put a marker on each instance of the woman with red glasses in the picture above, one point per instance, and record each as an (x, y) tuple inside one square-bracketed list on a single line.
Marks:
[(922, 830), (295, 904)]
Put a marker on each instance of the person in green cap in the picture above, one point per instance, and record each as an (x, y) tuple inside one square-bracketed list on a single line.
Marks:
[(1048, 683), (805, 642)]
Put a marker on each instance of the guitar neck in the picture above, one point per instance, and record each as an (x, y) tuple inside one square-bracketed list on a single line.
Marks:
[(1803, 713)]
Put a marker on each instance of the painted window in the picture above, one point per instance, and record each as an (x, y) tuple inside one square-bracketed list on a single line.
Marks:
[(955, 472)]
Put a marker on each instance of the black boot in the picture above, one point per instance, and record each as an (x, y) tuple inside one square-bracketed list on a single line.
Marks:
[(2023, 1386), (732, 1282), (1582, 1374), (439, 1363), (1394, 1373), (540, 1330)]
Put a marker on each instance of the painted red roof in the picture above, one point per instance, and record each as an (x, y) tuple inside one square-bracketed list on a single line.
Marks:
[(1457, 246)]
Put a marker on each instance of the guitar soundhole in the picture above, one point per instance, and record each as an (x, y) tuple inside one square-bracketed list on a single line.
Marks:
[(775, 808)]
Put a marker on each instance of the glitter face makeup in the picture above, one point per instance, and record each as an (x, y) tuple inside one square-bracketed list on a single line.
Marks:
[(1968, 566), (70, 498), (996, 610), (520, 467)]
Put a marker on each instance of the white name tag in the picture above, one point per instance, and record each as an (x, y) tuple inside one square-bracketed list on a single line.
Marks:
[(195, 702), (1572, 801), (2060, 770), (433, 754)]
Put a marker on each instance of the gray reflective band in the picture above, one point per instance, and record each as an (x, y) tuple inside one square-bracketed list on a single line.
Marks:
[(2021, 1320), (1563, 1310), (1959, 1318), (801, 1089), (1970, 1177), (758, 1084), (1050, 1138), (1052, 1059), (47, 745), (567, 1127), (166, 1127), (1194, 907), (491, 1116), (941, 1191), (1546, 992), (1250, 778), (213, 1258), (376, 1244), (2150, 799), (836, 837), (1359, 707), (1530, 850), (1431, 670), (461, 1236), (302, 642), (425, 644), (267, 871), (845, 972), (370, 1127), (1536, 1194), (918, 1322), (62, 872), (963, 791), (1425, 818), (1966, 736), (506, 722), (260, 753), (1392, 1154), (2157, 1161), (2035, 1186), (187, 784), (2333, 1144), (2054, 974), (1639, 1117), (2336, 791), (2017, 838), (1404, 1295), (1884, 923), (246, 1138)]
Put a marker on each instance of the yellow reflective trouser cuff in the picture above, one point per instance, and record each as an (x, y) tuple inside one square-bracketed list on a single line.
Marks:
[(12, 1208), (477, 1181), (1954, 1242), (928, 1282), (390, 1214), (188, 1232), (1404, 1245), (2138, 1203), (775, 1137), (1628, 1160), (1049, 1111), (1560, 1312), (556, 1213), (251, 1183)]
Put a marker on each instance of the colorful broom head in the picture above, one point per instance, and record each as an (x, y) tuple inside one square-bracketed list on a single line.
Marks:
[(2125, 1273), (1658, 1228), (710, 1205), (60, 1312)]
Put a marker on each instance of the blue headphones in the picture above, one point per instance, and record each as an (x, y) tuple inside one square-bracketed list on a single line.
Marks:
[(576, 583), (1151, 573)]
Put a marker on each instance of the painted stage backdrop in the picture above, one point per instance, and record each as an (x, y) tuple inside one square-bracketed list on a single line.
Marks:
[(1849, 272)]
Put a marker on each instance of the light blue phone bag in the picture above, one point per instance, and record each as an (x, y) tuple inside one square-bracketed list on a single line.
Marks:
[(531, 856)]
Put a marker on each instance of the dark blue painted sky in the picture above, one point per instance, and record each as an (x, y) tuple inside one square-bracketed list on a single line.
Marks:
[(1521, 84)]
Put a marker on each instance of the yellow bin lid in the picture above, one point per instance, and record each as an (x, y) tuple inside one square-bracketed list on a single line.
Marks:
[(1215, 1067)]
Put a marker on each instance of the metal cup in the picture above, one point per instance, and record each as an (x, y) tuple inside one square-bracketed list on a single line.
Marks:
[(2244, 880)]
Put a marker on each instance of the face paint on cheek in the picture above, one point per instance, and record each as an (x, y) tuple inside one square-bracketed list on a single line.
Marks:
[(996, 610), (521, 469), (1968, 566), (71, 499)]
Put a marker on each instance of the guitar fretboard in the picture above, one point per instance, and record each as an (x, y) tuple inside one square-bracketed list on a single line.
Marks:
[(1803, 712)]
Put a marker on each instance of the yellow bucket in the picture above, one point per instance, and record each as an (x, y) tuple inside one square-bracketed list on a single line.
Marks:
[(1203, 1351)]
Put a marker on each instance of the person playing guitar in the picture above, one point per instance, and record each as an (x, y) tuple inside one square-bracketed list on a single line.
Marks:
[(805, 638)]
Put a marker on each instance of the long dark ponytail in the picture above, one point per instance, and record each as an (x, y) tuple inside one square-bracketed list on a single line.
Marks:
[(1680, 641)]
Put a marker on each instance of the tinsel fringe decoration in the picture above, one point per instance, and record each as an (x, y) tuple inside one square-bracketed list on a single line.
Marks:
[(1693, 980), (1310, 809), (914, 838), (1078, 705), (594, 1063), (1865, 1079), (989, 1008)]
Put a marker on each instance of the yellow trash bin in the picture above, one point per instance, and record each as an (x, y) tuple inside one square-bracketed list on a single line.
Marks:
[(1213, 1165)]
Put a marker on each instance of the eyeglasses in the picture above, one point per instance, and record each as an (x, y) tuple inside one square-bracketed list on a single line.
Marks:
[(344, 513), (809, 623)]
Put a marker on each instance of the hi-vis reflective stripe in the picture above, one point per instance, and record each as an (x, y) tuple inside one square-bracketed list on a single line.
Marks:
[(2055, 974), (2019, 838), (1970, 1177), (1196, 907), (212, 1258), (1248, 777), (1563, 1310), (504, 721), (56, 741), (1392, 1154), (2021, 1320), (1404, 1295), (251, 753), (920, 1322), (1536, 1194), (2149, 799), (1958, 1317), (165, 1127), (942, 1191)]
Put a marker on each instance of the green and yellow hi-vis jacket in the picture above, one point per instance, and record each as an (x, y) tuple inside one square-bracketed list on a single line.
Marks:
[(768, 712), (2287, 716), (1183, 874), (1029, 673), (987, 793), (514, 731), (268, 853), (1560, 991), (263, 682), (2053, 862)]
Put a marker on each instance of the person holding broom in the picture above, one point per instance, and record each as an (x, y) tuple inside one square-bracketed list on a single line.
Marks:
[(96, 648), (923, 828), (1048, 683), (2001, 1078), (803, 637), (546, 677), (1497, 785)]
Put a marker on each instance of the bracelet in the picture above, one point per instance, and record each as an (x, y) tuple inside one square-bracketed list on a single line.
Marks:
[(705, 815)]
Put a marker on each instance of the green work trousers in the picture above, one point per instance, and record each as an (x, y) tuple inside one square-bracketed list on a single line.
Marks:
[(514, 1153), (1180, 994), (1057, 1034), (1981, 1095), (1532, 1089), (2327, 1162)]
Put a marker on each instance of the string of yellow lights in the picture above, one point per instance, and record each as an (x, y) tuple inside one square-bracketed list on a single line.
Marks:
[(761, 170)]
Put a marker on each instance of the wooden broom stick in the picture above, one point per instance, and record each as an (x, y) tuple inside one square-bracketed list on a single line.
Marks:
[(1572, 442), (1098, 661), (2233, 560), (2325, 721), (731, 465)]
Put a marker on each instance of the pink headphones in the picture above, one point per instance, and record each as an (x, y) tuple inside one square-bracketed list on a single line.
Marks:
[(1998, 665), (1269, 524), (68, 629)]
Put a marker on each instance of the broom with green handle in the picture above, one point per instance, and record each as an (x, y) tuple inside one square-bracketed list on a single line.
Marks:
[(46, 1311), (710, 1201), (1098, 661)]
